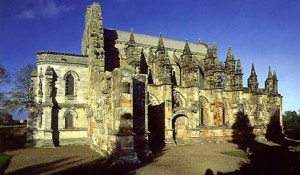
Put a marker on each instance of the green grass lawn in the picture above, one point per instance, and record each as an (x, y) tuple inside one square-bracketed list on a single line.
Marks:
[(3, 159), (235, 154), (295, 148)]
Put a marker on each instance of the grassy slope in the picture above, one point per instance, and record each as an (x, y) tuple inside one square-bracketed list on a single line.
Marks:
[(235, 154), (3, 159)]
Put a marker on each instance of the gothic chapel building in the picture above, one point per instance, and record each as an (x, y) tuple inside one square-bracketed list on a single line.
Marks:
[(166, 90)]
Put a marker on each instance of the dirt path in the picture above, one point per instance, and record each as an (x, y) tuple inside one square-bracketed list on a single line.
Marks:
[(51, 160), (196, 159)]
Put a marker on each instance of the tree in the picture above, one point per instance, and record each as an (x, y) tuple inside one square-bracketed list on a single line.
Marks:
[(291, 120), (5, 117), (3, 79), (19, 95)]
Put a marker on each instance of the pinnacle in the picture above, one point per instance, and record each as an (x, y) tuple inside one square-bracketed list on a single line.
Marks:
[(95, 4), (270, 73), (214, 51), (160, 45), (229, 54), (253, 70), (274, 75), (199, 41), (131, 38), (217, 62), (215, 46), (208, 46), (238, 66), (187, 50)]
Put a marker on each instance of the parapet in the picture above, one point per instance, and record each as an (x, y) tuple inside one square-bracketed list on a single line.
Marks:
[(57, 58)]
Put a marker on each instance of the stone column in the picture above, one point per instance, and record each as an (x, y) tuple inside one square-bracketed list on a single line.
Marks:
[(124, 156), (139, 119), (31, 124), (47, 121), (167, 90)]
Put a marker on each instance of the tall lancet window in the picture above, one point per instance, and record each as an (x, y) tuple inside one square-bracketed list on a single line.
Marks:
[(223, 115), (70, 85)]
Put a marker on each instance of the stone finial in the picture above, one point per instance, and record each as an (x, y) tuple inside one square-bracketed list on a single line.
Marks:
[(238, 82), (214, 52), (238, 64), (270, 73), (214, 46), (131, 38), (187, 50), (229, 54), (160, 45), (95, 4), (93, 40), (199, 41), (252, 80), (274, 75), (253, 73), (208, 46), (40, 90)]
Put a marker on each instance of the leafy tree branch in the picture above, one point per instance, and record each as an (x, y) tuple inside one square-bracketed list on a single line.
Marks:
[(19, 95)]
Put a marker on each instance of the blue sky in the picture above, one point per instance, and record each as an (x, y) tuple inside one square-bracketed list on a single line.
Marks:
[(262, 32)]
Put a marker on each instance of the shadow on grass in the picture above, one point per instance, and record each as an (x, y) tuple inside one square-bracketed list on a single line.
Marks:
[(264, 158), (98, 166), (72, 166), (12, 137), (4, 162), (101, 166), (45, 167), (241, 154)]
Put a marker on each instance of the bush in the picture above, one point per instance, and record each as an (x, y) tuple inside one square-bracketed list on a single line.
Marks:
[(291, 121)]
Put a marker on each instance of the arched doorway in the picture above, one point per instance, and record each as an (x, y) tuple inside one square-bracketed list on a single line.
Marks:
[(179, 126)]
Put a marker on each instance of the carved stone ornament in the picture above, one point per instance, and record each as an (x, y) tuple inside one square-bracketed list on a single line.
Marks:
[(40, 90)]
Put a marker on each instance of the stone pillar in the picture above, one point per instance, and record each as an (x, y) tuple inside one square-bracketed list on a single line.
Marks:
[(139, 116), (167, 90), (47, 122), (124, 156), (31, 124)]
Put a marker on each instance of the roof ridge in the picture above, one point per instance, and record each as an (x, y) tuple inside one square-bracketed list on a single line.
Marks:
[(183, 41), (59, 53)]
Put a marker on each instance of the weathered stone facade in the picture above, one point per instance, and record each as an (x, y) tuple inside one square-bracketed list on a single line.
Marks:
[(149, 90)]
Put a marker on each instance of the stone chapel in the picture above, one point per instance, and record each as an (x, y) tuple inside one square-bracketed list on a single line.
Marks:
[(159, 90)]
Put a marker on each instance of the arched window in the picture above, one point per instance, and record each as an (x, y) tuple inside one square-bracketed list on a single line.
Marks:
[(201, 113), (223, 115), (201, 116), (202, 102), (201, 78), (69, 120), (70, 85)]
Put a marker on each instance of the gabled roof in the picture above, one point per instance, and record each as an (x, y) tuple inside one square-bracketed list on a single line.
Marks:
[(152, 40)]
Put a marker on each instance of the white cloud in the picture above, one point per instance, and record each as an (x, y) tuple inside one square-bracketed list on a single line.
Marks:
[(26, 14), (44, 8)]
